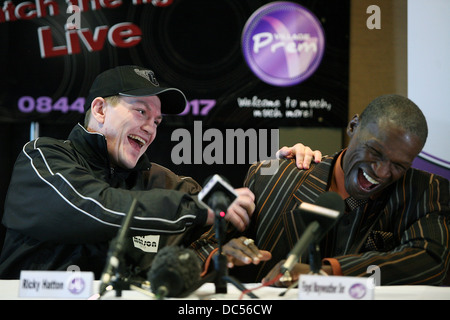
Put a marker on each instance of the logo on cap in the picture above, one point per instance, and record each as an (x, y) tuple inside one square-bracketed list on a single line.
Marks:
[(148, 75), (283, 43)]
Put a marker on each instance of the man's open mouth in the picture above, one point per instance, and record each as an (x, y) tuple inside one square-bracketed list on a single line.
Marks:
[(365, 181), (136, 141)]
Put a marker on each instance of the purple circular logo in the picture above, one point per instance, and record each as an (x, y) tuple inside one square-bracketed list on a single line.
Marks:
[(357, 291), (76, 285), (283, 43)]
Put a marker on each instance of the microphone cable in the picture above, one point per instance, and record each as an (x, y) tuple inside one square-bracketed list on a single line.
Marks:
[(265, 284)]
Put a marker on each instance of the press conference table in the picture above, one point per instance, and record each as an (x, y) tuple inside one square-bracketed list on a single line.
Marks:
[(9, 290)]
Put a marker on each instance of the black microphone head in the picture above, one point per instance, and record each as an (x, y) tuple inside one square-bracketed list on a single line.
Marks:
[(316, 220), (217, 193), (327, 209), (174, 271), (331, 200)]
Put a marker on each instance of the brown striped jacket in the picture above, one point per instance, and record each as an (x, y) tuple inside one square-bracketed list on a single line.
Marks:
[(404, 232)]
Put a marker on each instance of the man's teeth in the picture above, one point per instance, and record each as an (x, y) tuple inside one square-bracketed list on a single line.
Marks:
[(139, 139), (372, 181)]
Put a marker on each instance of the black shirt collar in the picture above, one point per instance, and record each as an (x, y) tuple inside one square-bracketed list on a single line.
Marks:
[(93, 146)]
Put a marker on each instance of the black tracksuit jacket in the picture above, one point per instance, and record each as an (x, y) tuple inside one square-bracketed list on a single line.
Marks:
[(64, 206)]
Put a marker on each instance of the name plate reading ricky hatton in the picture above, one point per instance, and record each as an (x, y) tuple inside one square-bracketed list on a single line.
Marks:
[(56, 284), (315, 287)]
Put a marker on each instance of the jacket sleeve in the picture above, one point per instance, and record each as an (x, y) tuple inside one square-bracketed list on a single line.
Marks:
[(421, 225), (53, 198)]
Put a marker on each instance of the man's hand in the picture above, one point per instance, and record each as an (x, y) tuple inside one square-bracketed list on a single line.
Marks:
[(240, 211), (303, 155), (243, 251), (294, 274)]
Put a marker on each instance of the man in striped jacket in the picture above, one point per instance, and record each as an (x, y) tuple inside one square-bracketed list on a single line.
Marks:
[(396, 217)]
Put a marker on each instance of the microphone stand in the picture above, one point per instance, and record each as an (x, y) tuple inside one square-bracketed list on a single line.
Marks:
[(315, 261), (220, 260), (112, 277)]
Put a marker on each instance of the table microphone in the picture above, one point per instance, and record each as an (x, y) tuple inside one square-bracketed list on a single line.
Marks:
[(320, 218), (175, 272), (217, 194), (116, 251)]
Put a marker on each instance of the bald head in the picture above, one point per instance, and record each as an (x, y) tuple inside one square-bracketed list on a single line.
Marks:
[(399, 111)]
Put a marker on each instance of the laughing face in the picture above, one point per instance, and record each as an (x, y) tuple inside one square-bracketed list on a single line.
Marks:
[(377, 155), (130, 127)]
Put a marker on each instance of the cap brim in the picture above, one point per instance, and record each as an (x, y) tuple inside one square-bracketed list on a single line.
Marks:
[(173, 101)]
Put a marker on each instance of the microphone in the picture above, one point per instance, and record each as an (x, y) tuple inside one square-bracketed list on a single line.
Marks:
[(320, 217), (217, 195), (116, 252), (175, 272)]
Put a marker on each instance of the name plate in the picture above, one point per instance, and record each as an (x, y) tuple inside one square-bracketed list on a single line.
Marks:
[(56, 284), (315, 287)]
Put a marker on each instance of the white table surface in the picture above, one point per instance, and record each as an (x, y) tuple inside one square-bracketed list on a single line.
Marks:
[(9, 290)]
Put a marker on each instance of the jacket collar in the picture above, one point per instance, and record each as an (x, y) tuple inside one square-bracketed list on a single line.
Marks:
[(93, 146), (319, 179)]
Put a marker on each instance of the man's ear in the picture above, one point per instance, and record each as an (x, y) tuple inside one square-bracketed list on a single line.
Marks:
[(98, 107), (352, 125)]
